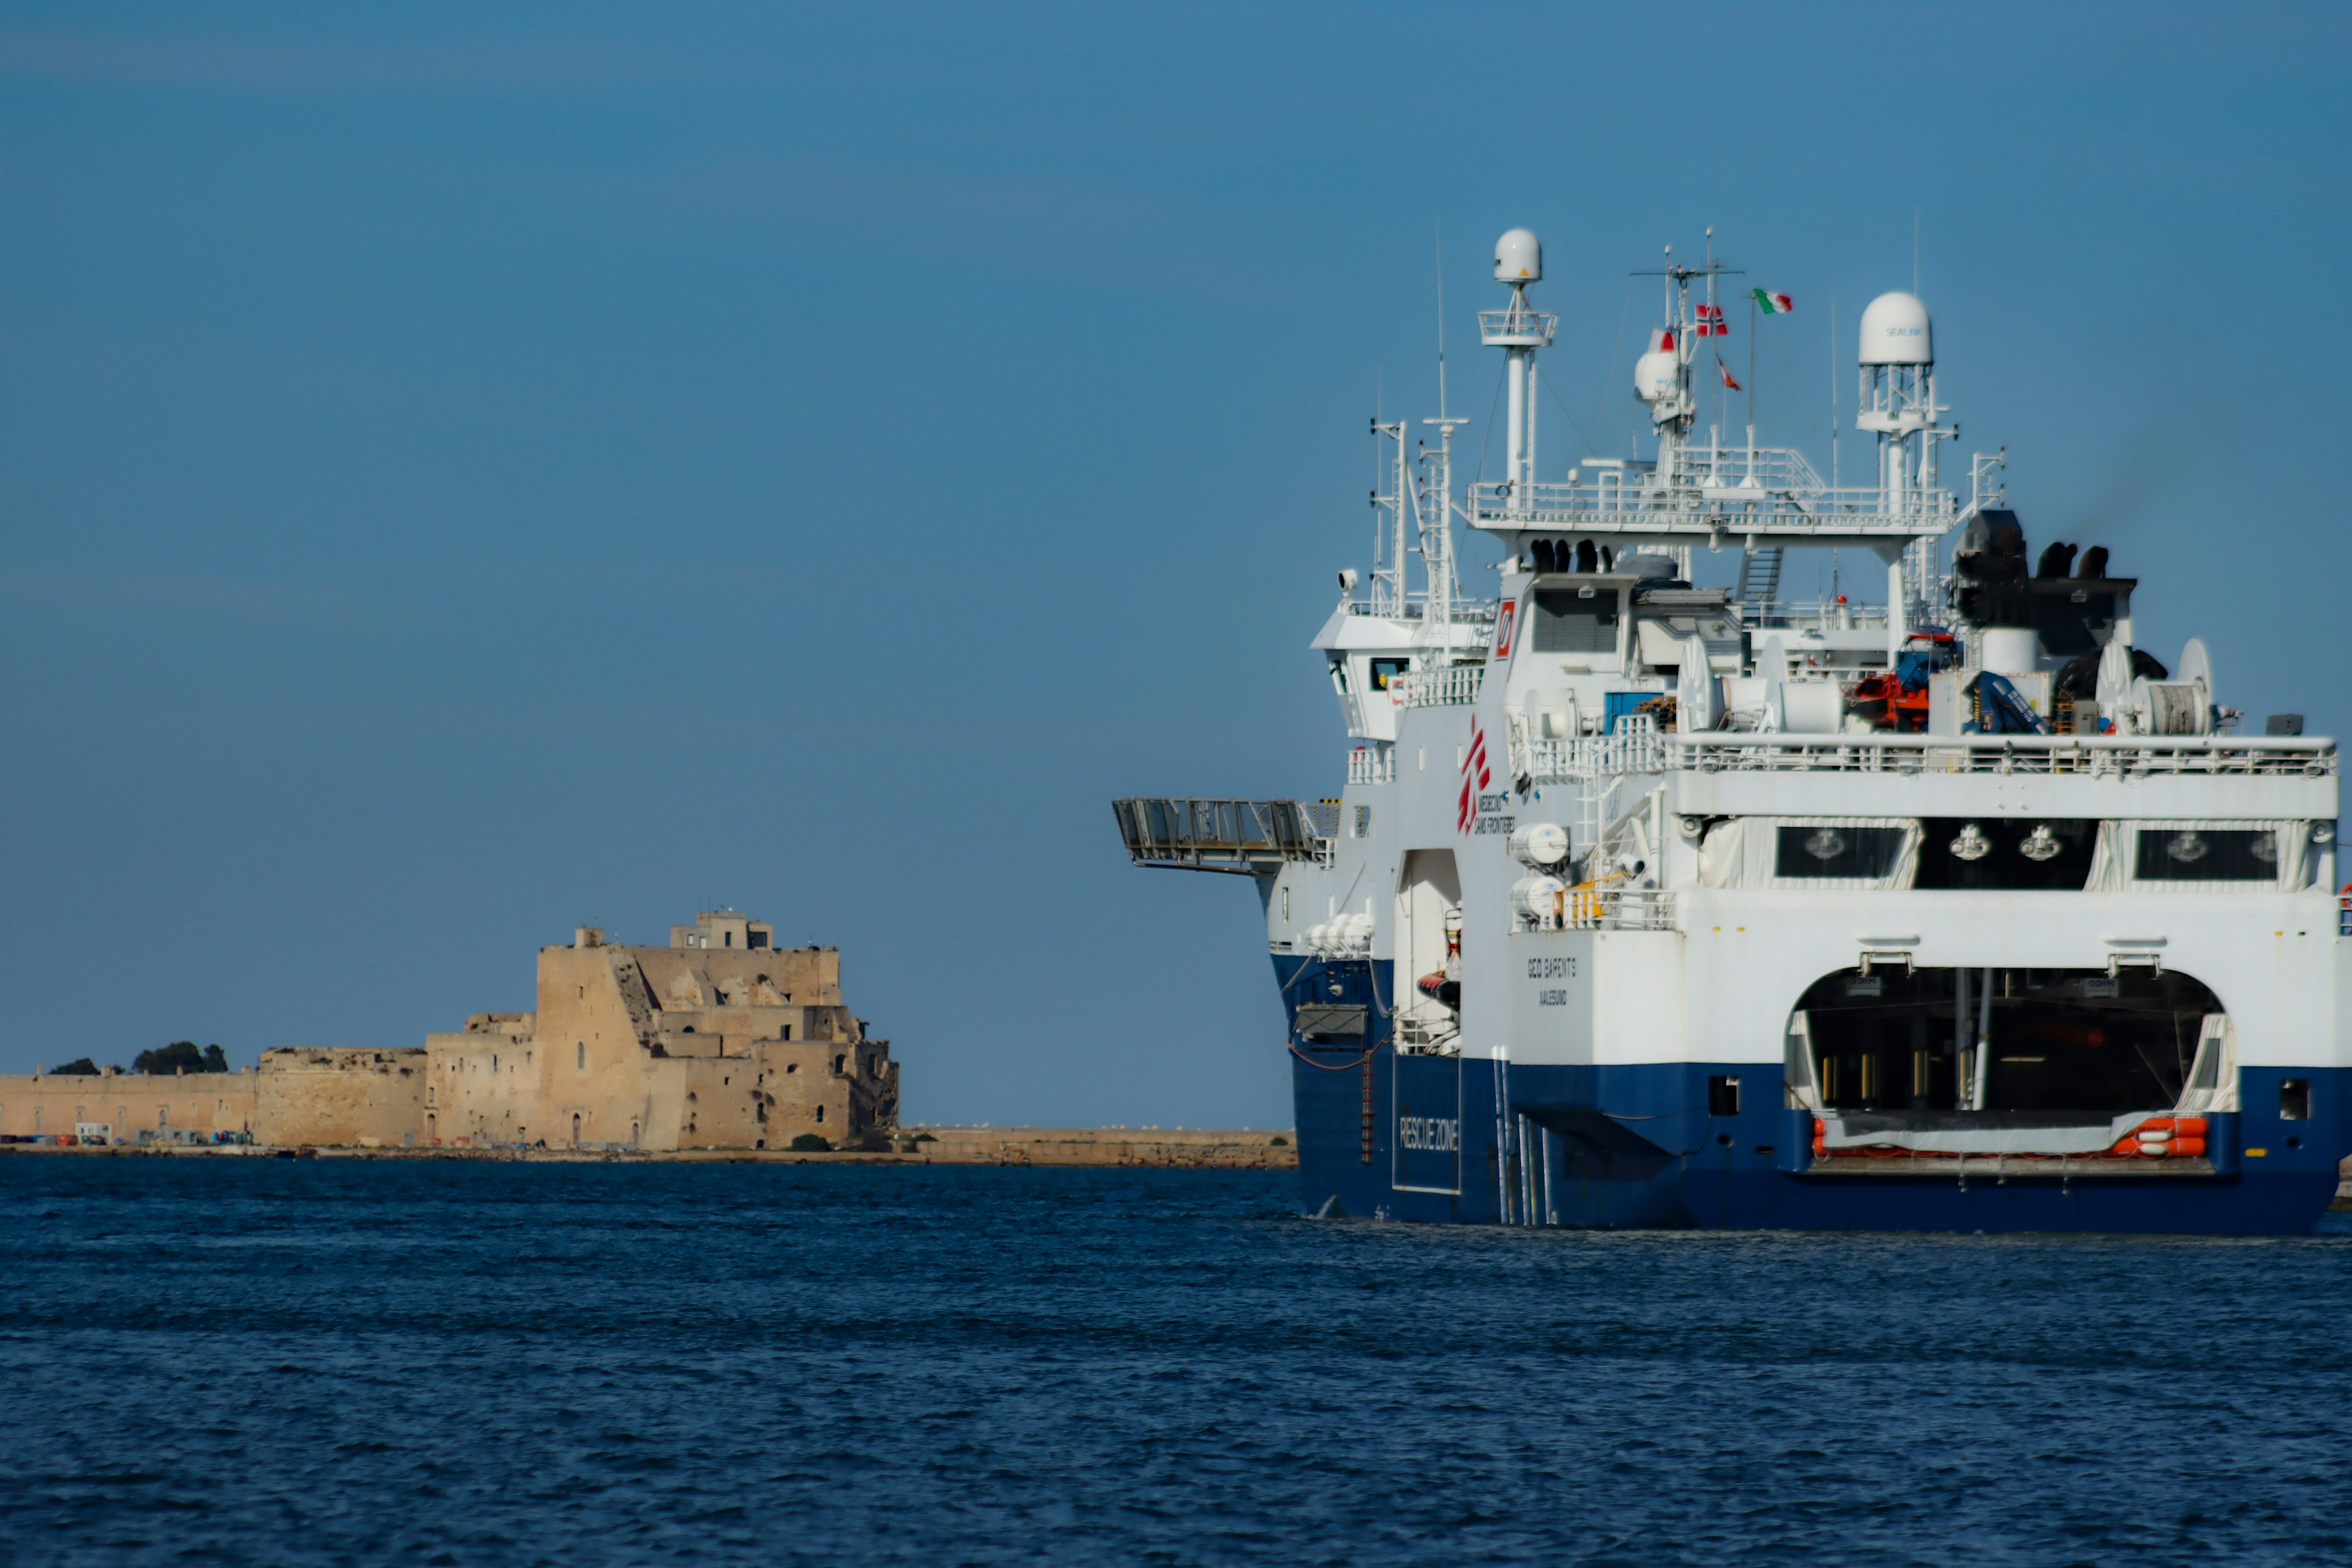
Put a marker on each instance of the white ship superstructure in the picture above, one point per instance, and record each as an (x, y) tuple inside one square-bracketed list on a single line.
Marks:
[(1652, 904)]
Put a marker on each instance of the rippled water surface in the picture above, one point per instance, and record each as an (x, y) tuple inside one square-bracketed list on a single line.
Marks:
[(362, 1362)]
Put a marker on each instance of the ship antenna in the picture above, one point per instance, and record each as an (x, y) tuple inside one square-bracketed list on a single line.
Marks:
[(1437, 228)]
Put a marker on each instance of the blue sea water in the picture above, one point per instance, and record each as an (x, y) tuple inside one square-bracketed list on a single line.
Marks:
[(344, 1361)]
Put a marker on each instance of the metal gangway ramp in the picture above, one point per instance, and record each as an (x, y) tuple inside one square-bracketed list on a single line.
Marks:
[(1249, 837)]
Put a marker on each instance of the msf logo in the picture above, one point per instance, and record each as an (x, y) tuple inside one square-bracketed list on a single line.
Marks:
[(1476, 776)]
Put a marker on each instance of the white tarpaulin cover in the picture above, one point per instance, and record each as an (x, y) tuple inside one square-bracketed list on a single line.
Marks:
[(1744, 852), (2115, 862), (1862, 1130)]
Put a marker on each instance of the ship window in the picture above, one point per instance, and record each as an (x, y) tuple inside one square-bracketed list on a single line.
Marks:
[(1821, 850), (1722, 1096), (2294, 1098), (2014, 854), (2208, 855), (1566, 621), (1387, 669)]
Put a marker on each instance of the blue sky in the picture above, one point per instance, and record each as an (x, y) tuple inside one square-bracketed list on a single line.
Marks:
[(466, 473)]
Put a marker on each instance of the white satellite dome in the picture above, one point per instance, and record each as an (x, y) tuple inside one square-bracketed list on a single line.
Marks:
[(1894, 331), (1657, 375), (1518, 257)]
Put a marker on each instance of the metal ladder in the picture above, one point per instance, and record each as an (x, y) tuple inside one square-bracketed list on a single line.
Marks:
[(1759, 581)]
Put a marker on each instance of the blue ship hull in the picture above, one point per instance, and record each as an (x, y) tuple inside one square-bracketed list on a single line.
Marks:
[(1468, 1141)]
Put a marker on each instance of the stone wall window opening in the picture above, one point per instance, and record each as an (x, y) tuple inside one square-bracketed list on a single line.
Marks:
[(582, 1060), (575, 1129), (820, 1114), (838, 1062)]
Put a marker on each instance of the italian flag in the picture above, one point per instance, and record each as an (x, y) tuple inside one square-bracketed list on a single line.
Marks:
[(1774, 304)]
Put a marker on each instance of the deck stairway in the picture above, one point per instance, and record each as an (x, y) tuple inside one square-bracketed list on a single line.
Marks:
[(1759, 583)]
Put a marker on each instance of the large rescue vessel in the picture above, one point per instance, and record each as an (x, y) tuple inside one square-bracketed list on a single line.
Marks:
[(1650, 904)]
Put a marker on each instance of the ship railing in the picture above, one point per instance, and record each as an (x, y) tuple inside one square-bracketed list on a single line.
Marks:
[(1639, 750), (1636, 749), (1451, 686), (1728, 500), (1517, 326), (1617, 908), (1765, 467), (1372, 766), (1428, 1028), (1246, 836), (1819, 615), (2119, 756), (1461, 612)]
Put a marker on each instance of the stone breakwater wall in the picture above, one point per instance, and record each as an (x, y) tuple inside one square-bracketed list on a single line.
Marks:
[(1225, 1149), (1174, 1147)]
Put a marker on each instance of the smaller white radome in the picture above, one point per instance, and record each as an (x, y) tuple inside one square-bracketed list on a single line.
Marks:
[(1518, 257)]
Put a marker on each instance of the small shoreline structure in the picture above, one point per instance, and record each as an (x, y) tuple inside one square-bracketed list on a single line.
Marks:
[(721, 1046), (719, 1041)]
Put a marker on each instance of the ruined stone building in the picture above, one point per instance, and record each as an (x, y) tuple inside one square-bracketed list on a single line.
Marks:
[(721, 1041)]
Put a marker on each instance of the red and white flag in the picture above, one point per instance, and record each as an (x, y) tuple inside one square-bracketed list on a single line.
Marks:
[(1711, 323), (1727, 374)]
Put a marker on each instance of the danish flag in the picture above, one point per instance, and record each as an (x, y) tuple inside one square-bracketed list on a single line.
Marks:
[(1711, 322), (1474, 777)]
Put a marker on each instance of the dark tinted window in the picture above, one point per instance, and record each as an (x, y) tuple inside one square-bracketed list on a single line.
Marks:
[(1567, 622), (2023, 854), (2208, 855), (1823, 851), (1387, 669)]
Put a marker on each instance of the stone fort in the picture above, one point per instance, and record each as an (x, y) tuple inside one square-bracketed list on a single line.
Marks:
[(721, 1041)]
